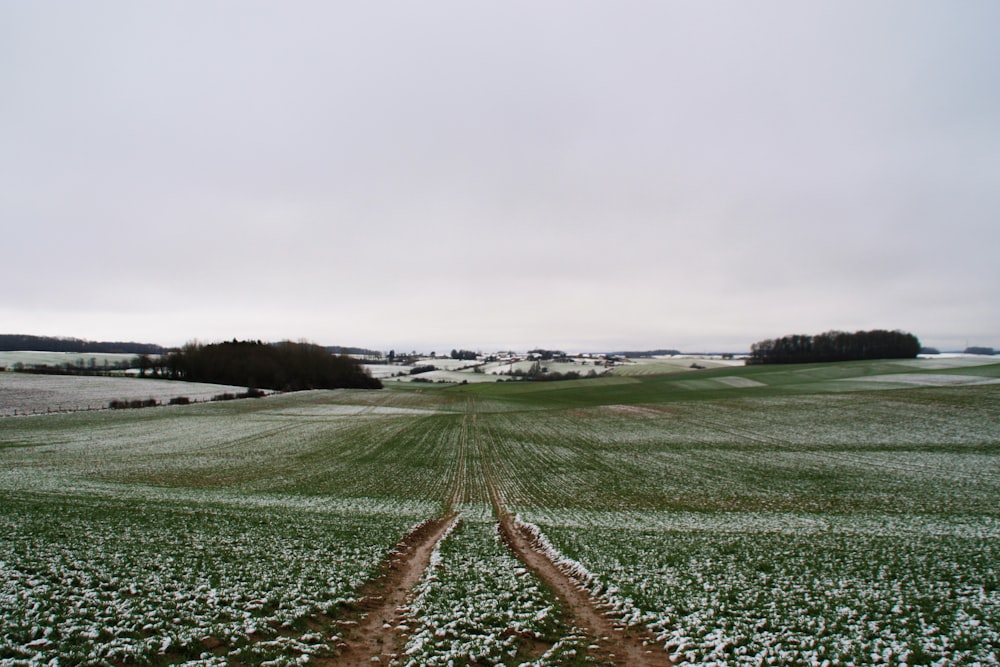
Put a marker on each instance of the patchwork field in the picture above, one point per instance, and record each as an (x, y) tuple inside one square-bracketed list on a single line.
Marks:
[(841, 514)]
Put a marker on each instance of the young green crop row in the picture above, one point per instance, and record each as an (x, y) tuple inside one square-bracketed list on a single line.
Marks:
[(747, 596), (843, 453), (837, 529), (269, 450), (98, 581), (752, 525), (477, 604)]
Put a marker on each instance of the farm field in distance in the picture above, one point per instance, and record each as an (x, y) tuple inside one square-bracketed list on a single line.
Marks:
[(27, 394), (828, 514)]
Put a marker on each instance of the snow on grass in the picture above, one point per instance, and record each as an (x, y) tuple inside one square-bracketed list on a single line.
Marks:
[(789, 523), (497, 367), (762, 528), (246, 446), (944, 361), (349, 410), (477, 604), (449, 364), (92, 580), (732, 381), (675, 364), (740, 382), (914, 452), (456, 377), (25, 393), (37, 358), (926, 379), (507, 367), (828, 529), (884, 590), (383, 371)]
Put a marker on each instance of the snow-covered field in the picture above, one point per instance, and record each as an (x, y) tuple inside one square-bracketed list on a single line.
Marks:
[(927, 380), (766, 516), (454, 377), (30, 358), (110, 581), (734, 591), (446, 369), (477, 604), (815, 529), (25, 393), (675, 364), (458, 371)]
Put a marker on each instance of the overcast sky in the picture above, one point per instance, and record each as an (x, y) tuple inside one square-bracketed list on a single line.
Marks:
[(492, 175)]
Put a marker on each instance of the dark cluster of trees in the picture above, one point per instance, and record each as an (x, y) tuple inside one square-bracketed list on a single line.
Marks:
[(356, 351), (467, 355), (835, 346), (547, 355), (284, 366), (78, 367), (641, 354), (134, 403), (23, 343)]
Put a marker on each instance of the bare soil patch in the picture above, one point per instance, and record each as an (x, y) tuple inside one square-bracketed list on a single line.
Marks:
[(374, 631)]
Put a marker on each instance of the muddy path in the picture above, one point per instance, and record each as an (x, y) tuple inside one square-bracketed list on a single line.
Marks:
[(374, 632), (615, 643)]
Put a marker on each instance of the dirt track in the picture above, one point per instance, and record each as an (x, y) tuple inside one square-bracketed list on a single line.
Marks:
[(375, 637), (375, 633), (616, 644)]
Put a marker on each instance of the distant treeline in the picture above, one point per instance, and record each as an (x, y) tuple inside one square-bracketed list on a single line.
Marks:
[(359, 351), (281, 366), (24, 343), (644, 353), (835, 346), (79, 367)]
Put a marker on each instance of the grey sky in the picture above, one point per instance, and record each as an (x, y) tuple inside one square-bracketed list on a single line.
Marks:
[(430, 175)]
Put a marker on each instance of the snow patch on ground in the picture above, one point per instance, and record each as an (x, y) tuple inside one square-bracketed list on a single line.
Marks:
[(447, 376), (25, 393), (740, 382), (927, 379), (341, 410), (941, 361)]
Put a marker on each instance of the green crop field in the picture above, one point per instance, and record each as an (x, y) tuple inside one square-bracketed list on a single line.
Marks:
[(838, 514)]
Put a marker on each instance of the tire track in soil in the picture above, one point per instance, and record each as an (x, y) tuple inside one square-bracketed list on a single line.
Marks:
[(373, 634), (615, 643)]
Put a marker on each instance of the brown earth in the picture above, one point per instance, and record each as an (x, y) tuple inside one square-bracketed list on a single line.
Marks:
[(373, 634), (614, 643)]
